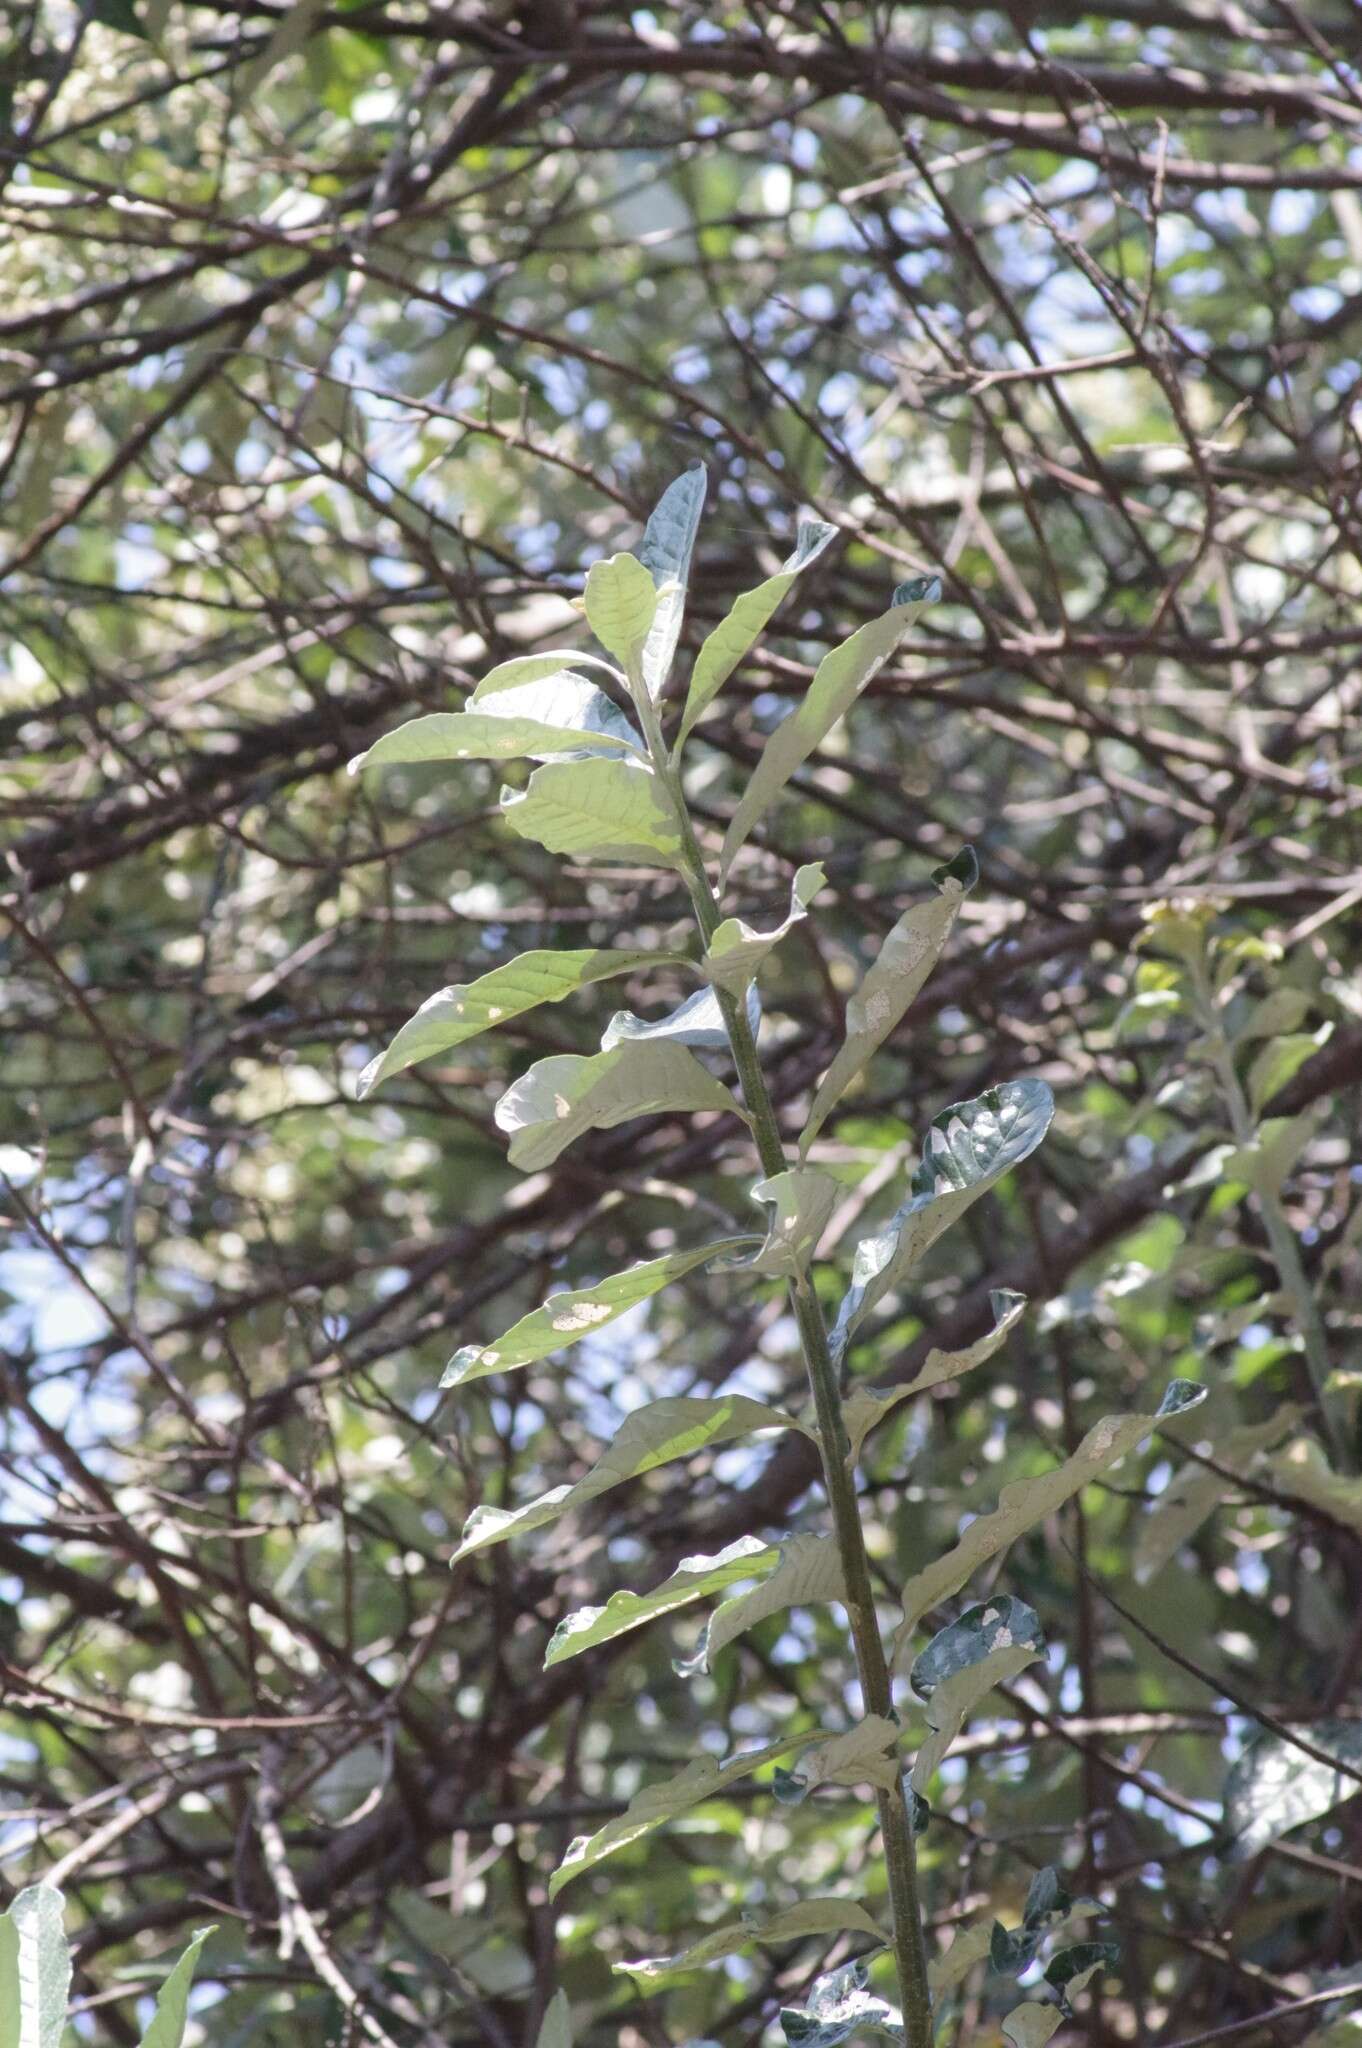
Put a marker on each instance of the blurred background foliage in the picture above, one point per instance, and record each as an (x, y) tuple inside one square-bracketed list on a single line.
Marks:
[(336, 342)]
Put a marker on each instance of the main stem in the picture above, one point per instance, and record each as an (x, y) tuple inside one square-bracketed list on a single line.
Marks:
[(839, 1481)]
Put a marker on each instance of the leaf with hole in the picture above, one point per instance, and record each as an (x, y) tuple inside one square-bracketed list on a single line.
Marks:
[(657, 1434), (1028, 1501), (579, 1312), (809, 1571), (968, 1149), (695, 1578), (747, 618), (559, 1099), (838, 681), (891, 983), (596, 810), (736, 951), (453, 1015)]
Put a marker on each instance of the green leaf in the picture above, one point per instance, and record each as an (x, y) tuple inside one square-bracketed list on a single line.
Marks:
[(566, 1318), (668, 541), (891, 983), (809, 1572), (969, 1147), (970, 1946), (596, 810), (620, 602), (734, 636), (864, 1755), (119, 14), (1275, 1787), (1028, 1501), (656, 1804), (172, 2004), (839, 2006), (864, 1409), (560, 1098), (987, 1646), (838, 681), (796, 1923), (541, 720), (1303, 1470), (35, 1970), (694, 1579), (547, 668), (801, 1202), (737, 950), (1072, 1968), (1279, 1060), (698, 1022), (453, 1015), (656, 1435), (1031, 2025), (556, 2029)]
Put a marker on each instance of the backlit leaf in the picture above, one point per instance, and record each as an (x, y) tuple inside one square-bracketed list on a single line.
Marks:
[(568, 1317), (864, 1409), (1032, 2025), (864, 1755), (735, 635), (657, 1434), (838, 681), (737, 950), (35, 1970), (556, 2028), (796, 1923), (172, 2004), (538, 720), (1275, 1787), (537, 668), (694, 1579), (1028, 1501), (620, 602), (668, 541), (560, 1098), (453, 1015), (809, 1571), (801, 1202), (891, 983), (704, 1779), (596, 810)]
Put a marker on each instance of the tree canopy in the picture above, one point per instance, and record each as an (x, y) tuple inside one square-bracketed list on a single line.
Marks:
[(337, 343)]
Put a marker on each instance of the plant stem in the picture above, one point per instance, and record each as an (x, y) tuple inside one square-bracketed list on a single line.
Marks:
[(839, 1481)]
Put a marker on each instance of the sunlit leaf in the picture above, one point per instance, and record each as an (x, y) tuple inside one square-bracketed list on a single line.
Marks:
[(796, 1923), (172, 2004), (864, 1409), (968, 1149), (1279, 1060), (970, 1946), (35, 1970), (801, 1203), (1028, 1501), (596, 810), (809, 1572), (840, 2005), (735, 635), (668, 541), (453, 1015), (537, 668), (987, 1646), (891, 983), (1032, 2025), (694, 1579), (560, 1098), (620, 601), (838, 681), (698, 1022), (657, 1434), (737, 950), (540, 721), (568, 1317), (1275, 1787), (704, 1779), (864, 1755)]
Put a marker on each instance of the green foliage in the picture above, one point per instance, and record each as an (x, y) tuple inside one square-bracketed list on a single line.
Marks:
[(35, 1977)]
